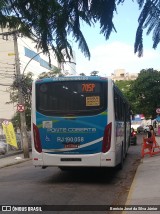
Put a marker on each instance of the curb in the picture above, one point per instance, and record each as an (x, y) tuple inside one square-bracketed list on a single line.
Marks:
[(10, 159), (15, 163), (11, 154)]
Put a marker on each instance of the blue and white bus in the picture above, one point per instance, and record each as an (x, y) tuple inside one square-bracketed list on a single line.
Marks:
[(79, 122)]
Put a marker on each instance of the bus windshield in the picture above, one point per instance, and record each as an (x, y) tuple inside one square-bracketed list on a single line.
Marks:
[(71, 98)]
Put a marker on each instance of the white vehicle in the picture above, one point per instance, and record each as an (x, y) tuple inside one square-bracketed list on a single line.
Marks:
[(146, 128), (135, 124), (79, 122), (143, 129)]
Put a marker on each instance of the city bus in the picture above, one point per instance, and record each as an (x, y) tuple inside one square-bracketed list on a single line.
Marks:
[(79, 121)]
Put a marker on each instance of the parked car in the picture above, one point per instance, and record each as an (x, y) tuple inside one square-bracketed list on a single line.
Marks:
[(140, 129), (143, 129), (146, 128), (3, 147)]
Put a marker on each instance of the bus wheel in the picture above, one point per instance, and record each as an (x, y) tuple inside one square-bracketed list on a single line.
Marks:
[(65, 168)]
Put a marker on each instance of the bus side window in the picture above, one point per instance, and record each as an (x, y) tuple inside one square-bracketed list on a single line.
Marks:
[(116, 105)]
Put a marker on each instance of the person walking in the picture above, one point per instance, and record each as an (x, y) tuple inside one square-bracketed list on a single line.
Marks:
[(150, 134)]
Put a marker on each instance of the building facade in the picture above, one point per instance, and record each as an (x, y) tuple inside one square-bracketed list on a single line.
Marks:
[(120, 74), (30, 60)]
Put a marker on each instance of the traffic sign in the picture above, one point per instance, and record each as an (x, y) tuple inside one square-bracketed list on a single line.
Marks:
[(6, 122), (158, 110), (20, 108)]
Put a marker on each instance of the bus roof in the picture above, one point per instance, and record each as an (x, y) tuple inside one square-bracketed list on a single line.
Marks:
[(70, 78)]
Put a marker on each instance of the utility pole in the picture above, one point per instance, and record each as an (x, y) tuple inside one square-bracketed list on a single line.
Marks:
[(24, 136)]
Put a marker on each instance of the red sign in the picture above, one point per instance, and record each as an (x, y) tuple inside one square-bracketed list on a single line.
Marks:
[(20, 108)]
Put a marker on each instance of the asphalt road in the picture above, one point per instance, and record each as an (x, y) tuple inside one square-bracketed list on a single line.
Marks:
[(23, 184)]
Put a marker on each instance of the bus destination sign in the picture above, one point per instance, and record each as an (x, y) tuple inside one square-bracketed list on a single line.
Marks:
[(88, 87)]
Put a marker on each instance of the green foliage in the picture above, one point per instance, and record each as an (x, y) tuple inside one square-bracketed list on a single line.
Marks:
[(94, 73), (16, 121), (125, 87), (25, 84), (143, 93), (50, 23), (55, 72), (16, 118), (147, 91), (149, 19), (82, 74)]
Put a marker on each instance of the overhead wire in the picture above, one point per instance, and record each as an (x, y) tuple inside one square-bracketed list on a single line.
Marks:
[(33, 50)]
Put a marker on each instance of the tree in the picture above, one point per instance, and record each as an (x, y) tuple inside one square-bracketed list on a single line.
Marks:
[(26, 84), (126, 87), (82, 74), (149, 19), (94, 73), (50, 23), (143, 93), (146, 89), (53, 73)]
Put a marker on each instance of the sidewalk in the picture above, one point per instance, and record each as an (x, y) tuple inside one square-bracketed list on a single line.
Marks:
[(145, 189), (12, 158)]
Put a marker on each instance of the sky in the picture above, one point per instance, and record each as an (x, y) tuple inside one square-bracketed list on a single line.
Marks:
[(118, 51)]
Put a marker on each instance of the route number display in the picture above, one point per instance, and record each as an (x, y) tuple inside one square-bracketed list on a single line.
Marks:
[(88, 87)]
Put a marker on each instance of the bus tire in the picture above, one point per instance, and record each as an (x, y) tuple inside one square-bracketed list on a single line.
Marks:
[(63, 168)]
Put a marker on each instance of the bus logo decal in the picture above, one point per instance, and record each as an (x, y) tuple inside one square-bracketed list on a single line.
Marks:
[(47, 124), (72, 130)]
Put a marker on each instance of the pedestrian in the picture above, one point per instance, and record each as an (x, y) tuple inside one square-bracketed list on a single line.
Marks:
[(150, 134), (132, 132)]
